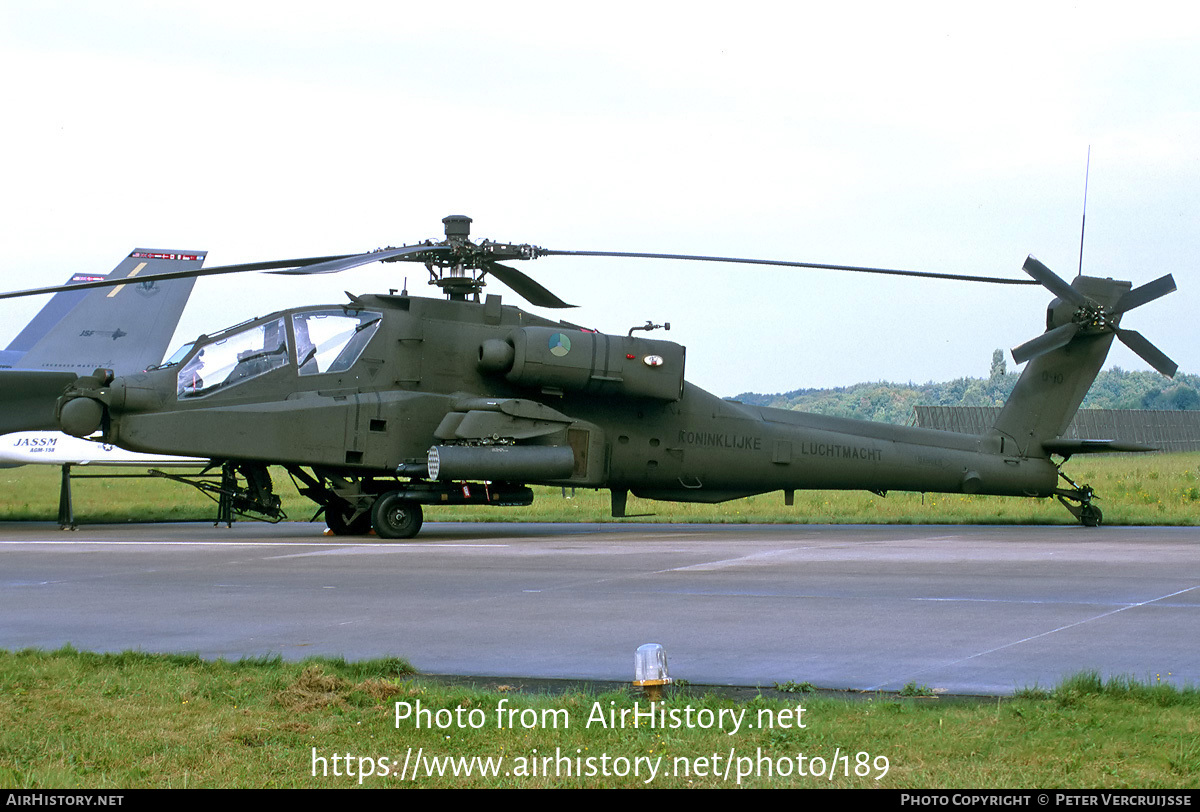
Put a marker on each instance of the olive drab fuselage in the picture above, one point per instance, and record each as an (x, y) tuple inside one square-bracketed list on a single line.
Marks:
[(367, 389)]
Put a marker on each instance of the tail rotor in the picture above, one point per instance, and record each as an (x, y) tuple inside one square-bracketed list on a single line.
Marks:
[(1092, 317)]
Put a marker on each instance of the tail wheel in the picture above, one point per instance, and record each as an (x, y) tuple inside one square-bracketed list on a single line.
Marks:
[(394, 517), (1090, 516), (340, 518)]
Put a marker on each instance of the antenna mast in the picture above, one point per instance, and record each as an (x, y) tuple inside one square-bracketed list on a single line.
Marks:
[(1083, 227)]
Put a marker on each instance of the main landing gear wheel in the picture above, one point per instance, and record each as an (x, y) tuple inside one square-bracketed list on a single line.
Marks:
[(338, 518), (394, 517)]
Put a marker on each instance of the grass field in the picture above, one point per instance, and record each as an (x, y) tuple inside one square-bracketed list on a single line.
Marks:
[(123, 721), (1151, 489)]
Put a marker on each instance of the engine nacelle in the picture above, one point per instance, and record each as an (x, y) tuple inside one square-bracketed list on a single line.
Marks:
[(570, 359)]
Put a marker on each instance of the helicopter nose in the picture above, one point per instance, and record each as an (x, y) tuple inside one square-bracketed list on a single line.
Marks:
[(96, 401)]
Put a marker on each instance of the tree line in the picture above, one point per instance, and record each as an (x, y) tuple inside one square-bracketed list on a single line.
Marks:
[(889, 402)]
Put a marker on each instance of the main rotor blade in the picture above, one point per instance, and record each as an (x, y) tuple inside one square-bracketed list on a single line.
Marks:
[(524, 286), (1048, 341), (1146, 293), (1151, 354), (345, 263), (216, 270), (305, 265), (784, 263), (1049, 279)]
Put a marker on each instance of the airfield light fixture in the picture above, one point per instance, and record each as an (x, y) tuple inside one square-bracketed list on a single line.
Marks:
[(650, 670)]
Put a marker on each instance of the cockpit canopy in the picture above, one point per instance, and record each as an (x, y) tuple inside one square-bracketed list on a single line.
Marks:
[(316, 341)]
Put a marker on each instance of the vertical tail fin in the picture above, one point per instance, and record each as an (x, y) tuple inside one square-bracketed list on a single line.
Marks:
[(51, 314), (1048, 394)]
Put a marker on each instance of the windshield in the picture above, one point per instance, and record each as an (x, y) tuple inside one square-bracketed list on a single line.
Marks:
[(176, 356), (331, 340), (234, 358)]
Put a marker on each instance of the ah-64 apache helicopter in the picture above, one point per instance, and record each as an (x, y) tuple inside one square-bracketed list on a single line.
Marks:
[(391, 402)]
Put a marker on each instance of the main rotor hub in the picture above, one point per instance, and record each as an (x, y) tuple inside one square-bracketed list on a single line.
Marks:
[(458, 227), (457, 265)]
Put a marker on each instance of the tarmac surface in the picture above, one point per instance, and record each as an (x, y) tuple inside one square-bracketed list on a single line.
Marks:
[(965, 610)]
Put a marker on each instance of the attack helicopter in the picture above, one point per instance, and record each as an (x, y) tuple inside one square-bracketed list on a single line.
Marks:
[(388, 404)]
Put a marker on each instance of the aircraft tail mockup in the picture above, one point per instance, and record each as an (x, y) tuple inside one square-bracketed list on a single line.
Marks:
[(59, 306), (1064, 361), (125, 328)]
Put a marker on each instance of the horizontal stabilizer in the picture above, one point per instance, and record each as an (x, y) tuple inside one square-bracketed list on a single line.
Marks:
[(1069, 448)]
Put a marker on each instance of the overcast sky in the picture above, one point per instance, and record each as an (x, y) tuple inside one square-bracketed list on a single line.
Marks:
[(929, 136)]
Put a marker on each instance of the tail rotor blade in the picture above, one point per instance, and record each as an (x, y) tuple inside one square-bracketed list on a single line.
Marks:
[(1046, 342), (1146, 293), (1052, 281), (1149, 353)]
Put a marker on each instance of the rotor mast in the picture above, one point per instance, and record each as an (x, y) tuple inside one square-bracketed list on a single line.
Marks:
[(458, 266), (457, 280)]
